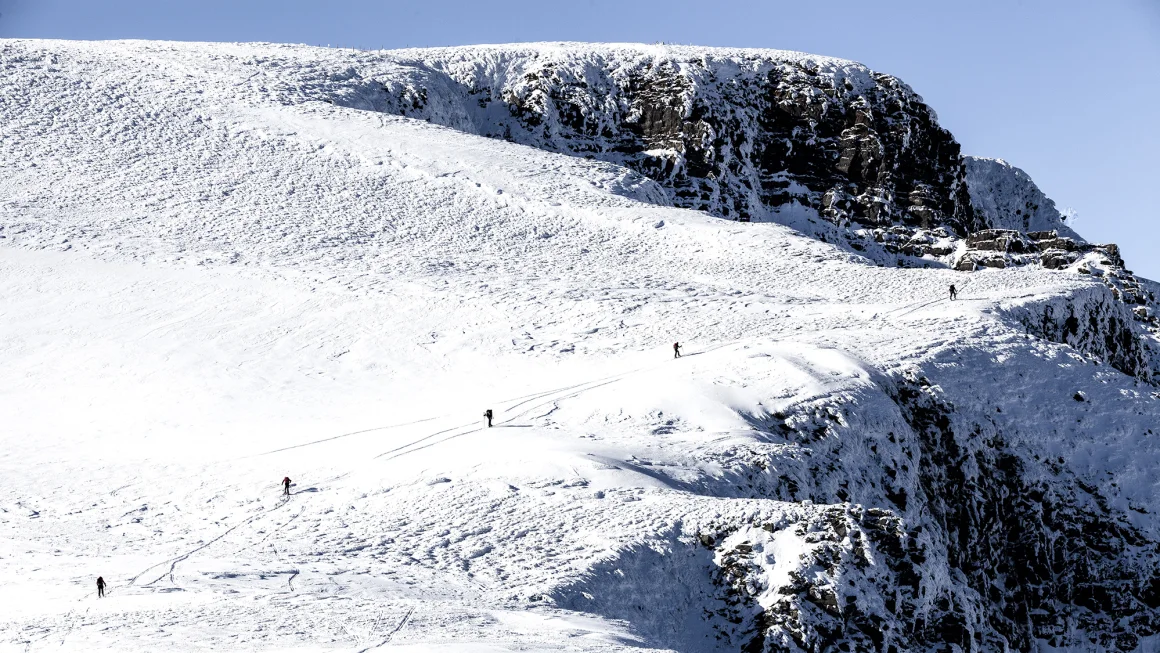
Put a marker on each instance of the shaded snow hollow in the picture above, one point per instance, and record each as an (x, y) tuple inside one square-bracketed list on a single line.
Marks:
[(212, 279)]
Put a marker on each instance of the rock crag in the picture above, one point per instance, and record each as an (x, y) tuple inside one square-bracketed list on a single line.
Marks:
[(827, 146)]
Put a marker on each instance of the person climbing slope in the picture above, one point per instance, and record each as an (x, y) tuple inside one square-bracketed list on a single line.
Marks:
[(487, 414), (100, 587), (286, 486), (954, 293), (676, 350)]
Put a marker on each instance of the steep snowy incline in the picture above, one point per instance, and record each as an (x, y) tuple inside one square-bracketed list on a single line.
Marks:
[(1009, 199), (212, 278), (245, 179)]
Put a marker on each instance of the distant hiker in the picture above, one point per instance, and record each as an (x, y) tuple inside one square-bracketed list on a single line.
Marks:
[(286, 486), (100, 587), (954, 293), (487, 414), (676, 350)]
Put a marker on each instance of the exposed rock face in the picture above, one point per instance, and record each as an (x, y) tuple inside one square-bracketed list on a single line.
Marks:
[(949, 536), (1127, 337), (1101, 326), (737, 133), (1026, 229), (1000, 248), (1026, 535), (827, 146)]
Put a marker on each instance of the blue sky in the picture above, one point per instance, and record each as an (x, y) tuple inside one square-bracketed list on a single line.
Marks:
[(1068, 90)]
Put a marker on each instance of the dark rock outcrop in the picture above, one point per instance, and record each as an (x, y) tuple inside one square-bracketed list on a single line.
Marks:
[(1000, 248), (827, 146), (976, 544), (1046, 556), (1027, 552), (740, 134), (1100, 325)]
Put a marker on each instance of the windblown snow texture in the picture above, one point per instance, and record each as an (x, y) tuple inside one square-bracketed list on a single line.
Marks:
[(737, 133), (1008, 198), (225, 264)]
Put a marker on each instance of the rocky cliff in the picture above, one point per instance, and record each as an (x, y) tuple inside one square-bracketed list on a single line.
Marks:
[(827, 146), (921, 519), (741, 134)]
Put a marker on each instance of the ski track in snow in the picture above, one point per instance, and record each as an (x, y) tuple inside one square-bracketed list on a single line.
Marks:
[(212, 280)]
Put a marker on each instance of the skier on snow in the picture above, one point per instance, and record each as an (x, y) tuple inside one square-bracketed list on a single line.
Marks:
[(100, 587), (286, 486), (954, 293), (487, 414), (676, 350)]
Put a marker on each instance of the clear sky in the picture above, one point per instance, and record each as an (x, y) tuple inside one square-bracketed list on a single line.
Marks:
[(1068, 90)]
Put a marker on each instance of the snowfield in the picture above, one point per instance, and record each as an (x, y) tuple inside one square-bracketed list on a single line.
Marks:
[(208, 282)]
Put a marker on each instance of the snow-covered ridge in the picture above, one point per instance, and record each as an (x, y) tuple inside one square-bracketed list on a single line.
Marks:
[(742, 134), (1009, 199), (620, 54), (824, 145), (217, 268)]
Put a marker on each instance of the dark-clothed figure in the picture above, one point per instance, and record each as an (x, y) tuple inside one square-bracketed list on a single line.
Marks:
[(100, 587), (487, 414), (286, 486), (954, 293), (676, 350)]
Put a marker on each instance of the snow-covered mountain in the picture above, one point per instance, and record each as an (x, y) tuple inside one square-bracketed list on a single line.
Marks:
[(1008, 199), (225, 264)]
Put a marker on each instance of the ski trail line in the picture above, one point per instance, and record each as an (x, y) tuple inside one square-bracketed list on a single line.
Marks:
[(395, 426), (907, 309), (293, 572), (272, 533), (580, 388), (606, 381), (526, 399), (344, 435), (402, 623), (424, 438), (72, 622), (591, 386), (173, 562)]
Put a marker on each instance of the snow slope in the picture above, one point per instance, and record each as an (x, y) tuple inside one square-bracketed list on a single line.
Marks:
[(212, 279), (1010, 199)]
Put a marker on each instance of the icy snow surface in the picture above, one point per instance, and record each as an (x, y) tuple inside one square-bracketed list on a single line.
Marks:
[(207, 284)]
